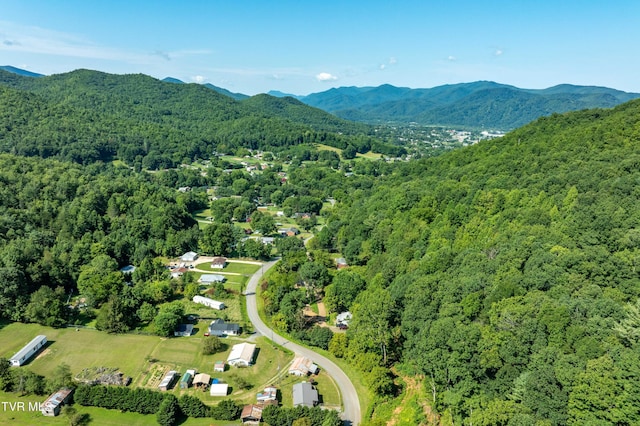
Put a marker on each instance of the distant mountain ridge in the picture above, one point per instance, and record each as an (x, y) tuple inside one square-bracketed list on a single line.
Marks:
[(479, 104)]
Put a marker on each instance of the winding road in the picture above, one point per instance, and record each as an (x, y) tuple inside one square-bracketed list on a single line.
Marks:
[(351, 405)]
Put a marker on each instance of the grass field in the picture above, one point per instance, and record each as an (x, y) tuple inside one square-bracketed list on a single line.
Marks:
[(367, 156)]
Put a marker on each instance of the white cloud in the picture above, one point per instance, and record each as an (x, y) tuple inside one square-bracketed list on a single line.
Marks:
[(498, 52), (393, 60), (451, 58), (198, 79), (325, 76)]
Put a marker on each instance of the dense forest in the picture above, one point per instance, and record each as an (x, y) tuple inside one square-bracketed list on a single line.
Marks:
[(86, 116), (505, 275)]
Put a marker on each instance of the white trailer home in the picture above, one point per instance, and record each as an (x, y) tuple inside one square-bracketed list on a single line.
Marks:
[(214, 304), (28, 351)]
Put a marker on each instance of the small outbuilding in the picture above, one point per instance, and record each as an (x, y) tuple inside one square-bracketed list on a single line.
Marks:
[(219, 389), (219, 366), (168, 381), (51, 406), (268, 394), (187, 380), (202, 381), (29, 350), (251, 414)]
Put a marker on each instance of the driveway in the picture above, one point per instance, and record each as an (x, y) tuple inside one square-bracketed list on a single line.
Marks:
[(351, 405)]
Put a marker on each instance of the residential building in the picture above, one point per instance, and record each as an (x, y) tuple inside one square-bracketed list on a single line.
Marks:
[(241, 354), (28, 350), (304, 394)]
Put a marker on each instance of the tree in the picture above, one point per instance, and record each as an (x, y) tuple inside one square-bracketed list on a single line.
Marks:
[(146, 312), (114, 317), (193, 407), (100, 279), (165, 323), (6, 379), (226, 409), (48, 307), (219, 239), (60, 378), (315, 276), (212, 345), (168, 411), (263, 222)]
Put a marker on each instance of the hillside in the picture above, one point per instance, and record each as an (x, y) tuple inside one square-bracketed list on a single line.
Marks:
[(86, 116), (505, 275), (479, 104)]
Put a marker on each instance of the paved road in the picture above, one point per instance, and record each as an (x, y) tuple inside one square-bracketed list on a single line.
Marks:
[(351, 404)]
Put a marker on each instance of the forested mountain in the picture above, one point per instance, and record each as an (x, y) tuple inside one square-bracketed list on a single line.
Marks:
[(19, 71), (505, 276), (236, 96), (86, 116), (479, 104)]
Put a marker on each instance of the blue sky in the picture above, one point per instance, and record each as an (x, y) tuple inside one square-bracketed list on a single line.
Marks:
[(302, 47)]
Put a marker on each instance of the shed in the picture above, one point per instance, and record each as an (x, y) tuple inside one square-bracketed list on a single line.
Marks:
[(28, 350), (186, 380), (341, 263), (168, 380), (202, 381), (241, 354), (52, 405), (304, 394), (212, 278), (129, 269), (269, 394), (214, 304), (189, 256), (251, 414), (219, 327), (218, 367), (219, 389)]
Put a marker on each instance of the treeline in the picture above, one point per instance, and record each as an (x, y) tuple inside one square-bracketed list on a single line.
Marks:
[(87, 116), (169, 409)]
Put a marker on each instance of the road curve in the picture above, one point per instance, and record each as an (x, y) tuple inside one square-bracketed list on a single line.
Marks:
[(351, 405)]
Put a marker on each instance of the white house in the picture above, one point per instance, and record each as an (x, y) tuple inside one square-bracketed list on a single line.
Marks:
[(241, 354), (28, 351), (189, 256), (343, 318), (214, 304), (219, 262)]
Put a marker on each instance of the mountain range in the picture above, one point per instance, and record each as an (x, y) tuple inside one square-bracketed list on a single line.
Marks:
[(480, 104)]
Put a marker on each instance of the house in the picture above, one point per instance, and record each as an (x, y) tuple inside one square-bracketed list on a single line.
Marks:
[(214, 304), (219, 262), (189, 256), (341, 262), (177, 272), (343, 318), (289, 232), (269, 394), (219, 389), (212, 278), (219, 327), (202, 381), (183, 330), (241, 355), (167, 381), (304, 394), (187, 379), (52, 405), (219, 366), (268, 240), (303, 366), (251, 414), (28, 350)]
